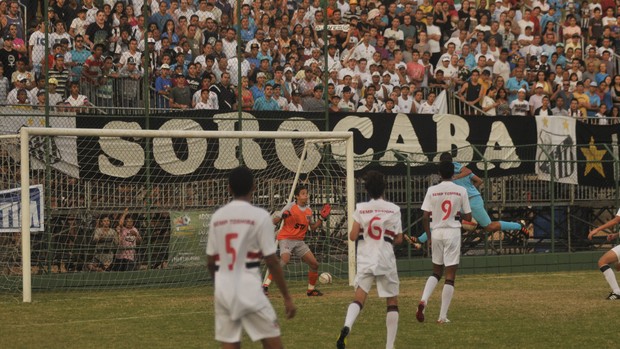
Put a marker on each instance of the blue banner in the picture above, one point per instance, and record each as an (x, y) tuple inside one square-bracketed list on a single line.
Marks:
[(10, 209)]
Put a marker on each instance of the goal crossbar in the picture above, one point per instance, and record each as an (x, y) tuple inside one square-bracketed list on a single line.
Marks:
[(27, 132)]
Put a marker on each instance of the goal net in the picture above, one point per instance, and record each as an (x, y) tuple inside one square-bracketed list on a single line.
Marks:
[(117, 208)]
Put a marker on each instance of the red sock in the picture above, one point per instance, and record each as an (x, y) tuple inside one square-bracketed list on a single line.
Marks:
[(313, 276)]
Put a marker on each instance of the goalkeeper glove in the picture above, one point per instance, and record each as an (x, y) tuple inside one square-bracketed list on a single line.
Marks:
[(325, 211), (286, 214)]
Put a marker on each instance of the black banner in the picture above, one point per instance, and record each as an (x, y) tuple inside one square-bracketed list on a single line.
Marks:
[(508, 144)]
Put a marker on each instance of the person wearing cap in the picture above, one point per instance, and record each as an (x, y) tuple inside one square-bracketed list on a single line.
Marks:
[(54, 95), (594, 100), (8, 56), (130, 79), (520, 106), (163, 86), (295, 103), (20, 84), (537, 97)]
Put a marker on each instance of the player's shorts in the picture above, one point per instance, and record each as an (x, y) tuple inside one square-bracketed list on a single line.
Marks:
[(617, 251), (387, 285), (293, 247), (478, 211), (258, 325), (446, 248)]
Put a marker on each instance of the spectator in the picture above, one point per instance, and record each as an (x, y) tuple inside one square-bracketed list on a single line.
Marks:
[(489, 104), (559, 108), (79, 55), (266, 102), (594, 101), (77, 103), (99, 32), (131, 76), (314, 103), (180, 96), (105, 239), (20, 84), (60, 74), (78, 24), (163, 86), (208, 100), (544, 109), (520, 107), (4, 86), (128, 238), (226, 97)]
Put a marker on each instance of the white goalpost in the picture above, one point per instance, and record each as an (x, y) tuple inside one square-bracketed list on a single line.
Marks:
[(176, 176)]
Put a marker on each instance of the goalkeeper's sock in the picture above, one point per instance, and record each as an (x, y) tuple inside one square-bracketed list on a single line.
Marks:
[(611, 278), (509, 225), (431, 283), (391, 322), (352, 312), (312, 277), (268, 281), (423, 238), (446, 298)]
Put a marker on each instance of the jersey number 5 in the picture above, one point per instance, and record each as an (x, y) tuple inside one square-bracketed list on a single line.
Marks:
[(230, 249), (446, 207), (372, 229)]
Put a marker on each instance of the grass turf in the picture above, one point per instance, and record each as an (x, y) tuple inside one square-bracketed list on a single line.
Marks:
[(544, 310)]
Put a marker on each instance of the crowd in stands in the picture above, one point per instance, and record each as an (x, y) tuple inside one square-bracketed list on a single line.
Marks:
[(504, 57)]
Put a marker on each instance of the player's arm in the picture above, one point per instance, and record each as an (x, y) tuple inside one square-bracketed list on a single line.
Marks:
[(477, 181), (611, 223), (463, 173), (278, 276), (284, 214), (426, 223), (211, 266), (398, 239), (355, 231)]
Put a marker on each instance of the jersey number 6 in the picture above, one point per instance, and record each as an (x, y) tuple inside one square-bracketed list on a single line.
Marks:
[(374, 228)]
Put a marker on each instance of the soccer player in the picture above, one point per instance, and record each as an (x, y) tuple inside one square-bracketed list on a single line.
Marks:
[(297, 218), (376, 228), (468, 180), (443, 202), (239, 235), (610, 257)]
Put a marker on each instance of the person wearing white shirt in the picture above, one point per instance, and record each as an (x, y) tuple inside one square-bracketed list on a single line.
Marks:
[(428, 106), (501, 67), (364, 50)]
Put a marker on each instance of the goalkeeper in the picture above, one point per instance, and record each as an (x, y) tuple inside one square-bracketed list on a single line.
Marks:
[(297, 218)]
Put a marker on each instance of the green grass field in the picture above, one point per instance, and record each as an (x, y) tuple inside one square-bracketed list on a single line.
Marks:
[(558, 310)]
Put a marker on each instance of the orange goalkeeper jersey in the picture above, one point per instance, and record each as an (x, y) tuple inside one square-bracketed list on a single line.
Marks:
[(296, 225)]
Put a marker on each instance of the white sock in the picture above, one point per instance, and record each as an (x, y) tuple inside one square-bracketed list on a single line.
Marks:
[(391, 322), (446, 298), (267, 282), (429, 288), (352, 313), (611, 280)]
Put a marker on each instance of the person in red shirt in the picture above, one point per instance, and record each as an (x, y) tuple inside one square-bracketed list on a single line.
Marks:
[(298, 219)]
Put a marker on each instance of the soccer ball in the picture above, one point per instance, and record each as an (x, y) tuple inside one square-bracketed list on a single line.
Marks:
[(325, 278), (469, 226)]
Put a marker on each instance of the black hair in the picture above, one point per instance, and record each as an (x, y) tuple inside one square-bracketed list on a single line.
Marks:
[(374, 184), (445, 157), (241, 181), (446, 169), (299, 188)]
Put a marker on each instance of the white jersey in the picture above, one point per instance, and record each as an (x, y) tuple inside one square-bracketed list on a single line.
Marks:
[(239, 236), (444, 201), (380, 224)]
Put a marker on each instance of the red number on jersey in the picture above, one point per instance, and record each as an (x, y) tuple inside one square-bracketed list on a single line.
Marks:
[(373, 228), (446, 207), (230, 249)]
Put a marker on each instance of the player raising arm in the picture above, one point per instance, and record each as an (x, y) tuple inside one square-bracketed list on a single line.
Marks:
[(442, 203), (239, 235), (297, 218), (610, 257), (376, 228)]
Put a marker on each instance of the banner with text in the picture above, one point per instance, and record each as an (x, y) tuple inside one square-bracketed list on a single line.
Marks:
[(499, 146), (11, 208), (188, 238)]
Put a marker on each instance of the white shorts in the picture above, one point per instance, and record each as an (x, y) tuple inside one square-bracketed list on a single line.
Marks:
[(446, 249), (293, 247), (387, 285), (617, 251), (258, 325)]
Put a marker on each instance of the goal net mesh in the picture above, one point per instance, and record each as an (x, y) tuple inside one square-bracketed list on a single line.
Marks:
[(134, 211)]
